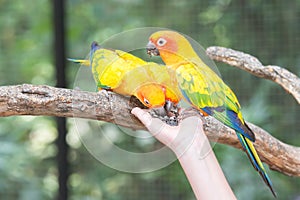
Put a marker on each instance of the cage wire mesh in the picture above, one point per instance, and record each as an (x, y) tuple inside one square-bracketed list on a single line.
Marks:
[(268, 30)]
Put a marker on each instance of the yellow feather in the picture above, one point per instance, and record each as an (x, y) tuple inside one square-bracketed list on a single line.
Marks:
[(110, 66), (151, 82), (205, 90), (129, 75)]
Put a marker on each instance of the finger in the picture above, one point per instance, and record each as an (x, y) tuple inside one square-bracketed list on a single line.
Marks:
[(143, 116), (155, 126)]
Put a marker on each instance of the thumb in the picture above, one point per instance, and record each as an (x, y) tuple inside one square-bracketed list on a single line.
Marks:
[(143, 116), (154, 125)]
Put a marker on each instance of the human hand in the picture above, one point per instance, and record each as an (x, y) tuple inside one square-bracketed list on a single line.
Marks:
[(177, 138), (194, 153)]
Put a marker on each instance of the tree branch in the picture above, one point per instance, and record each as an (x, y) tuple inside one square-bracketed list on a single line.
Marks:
[(289, 81), (28, 99), (110, 107)]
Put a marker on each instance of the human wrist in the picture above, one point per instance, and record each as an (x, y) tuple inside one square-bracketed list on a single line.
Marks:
[(198, 146)]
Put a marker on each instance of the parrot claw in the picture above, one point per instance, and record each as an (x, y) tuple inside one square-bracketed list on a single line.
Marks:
[(189, 112), (105, 92)]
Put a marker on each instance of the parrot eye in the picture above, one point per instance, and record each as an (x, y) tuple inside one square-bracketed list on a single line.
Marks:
[(146, 101), (161, 42)]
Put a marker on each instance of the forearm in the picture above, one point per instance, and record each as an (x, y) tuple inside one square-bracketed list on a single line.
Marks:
[(195, 155), (203, 171)]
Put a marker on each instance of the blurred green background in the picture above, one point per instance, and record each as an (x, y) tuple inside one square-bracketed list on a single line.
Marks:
[(269, 30)]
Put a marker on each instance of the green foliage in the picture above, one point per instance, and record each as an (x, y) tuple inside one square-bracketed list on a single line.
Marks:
[(266, 29)]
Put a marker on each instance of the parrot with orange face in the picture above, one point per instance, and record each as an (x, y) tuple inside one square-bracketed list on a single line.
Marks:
[(128, 75), (202, 88), (108, 65), (151, 84)]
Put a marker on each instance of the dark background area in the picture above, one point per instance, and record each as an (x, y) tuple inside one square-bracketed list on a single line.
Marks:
[(269, 30)]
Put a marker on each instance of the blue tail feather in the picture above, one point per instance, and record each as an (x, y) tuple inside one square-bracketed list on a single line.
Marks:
[(248, 151), (73, 60), (255, 162), (231, 119)]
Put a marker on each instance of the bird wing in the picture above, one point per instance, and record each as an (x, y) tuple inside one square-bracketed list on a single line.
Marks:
[(205, 90), (109, 66), (150, 73)]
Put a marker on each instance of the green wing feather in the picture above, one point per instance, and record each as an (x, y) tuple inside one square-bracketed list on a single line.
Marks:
[(205, 90)]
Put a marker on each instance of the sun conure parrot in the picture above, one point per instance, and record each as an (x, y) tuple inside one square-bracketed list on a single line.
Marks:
[(127, 74), (204, 89), (151, 84), (109, 66)]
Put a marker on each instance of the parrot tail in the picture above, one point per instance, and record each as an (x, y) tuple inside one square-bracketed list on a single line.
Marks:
[(255, 160), (80, 61)]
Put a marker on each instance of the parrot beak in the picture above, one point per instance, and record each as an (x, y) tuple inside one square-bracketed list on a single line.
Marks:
[(168, 106), (151, 49), (171, 109)]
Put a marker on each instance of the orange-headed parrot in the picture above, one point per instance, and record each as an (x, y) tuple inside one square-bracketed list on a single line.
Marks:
[(204, 89), (128, 75)]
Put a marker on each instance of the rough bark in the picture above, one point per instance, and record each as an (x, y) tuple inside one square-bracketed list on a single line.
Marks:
[(289, 81), (110, 107), (44, 100)]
